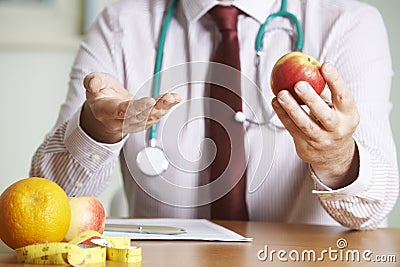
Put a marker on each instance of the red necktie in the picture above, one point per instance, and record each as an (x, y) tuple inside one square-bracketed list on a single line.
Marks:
[(229, 162)]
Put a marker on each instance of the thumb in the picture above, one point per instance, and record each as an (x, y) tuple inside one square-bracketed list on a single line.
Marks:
[(93, 82), (97, 81)]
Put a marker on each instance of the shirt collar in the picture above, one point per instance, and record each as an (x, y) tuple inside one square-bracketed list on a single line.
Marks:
[(258, 9)]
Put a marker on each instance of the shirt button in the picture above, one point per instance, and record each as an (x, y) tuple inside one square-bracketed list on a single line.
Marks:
[(79, 185), (95, 157)]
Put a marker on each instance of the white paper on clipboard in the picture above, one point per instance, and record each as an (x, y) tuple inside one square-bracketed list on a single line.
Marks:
[(196, 229)]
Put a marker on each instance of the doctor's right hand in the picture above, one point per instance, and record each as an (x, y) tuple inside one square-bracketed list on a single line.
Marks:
[(110, 111)]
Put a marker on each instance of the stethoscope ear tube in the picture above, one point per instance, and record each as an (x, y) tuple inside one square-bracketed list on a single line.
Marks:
[(151, 160), (159, 59), (281, 13)]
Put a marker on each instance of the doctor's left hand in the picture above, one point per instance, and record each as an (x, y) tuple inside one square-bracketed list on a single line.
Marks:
[(110, 111), (323, 139)]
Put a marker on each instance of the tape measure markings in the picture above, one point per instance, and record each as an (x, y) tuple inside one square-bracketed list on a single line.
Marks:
[(75, 253)]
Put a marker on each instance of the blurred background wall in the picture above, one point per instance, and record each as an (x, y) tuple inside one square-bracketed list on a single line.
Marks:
[(38, 43)]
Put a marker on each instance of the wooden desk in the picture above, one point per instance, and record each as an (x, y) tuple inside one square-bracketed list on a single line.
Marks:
[(289, 238)]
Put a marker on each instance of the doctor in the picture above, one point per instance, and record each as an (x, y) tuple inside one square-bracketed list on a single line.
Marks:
[(336, 167)]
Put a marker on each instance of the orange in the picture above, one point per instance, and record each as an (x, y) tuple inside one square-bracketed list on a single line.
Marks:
[(33, 210)]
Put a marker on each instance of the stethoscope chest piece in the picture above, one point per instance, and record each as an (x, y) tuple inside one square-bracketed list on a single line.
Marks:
[(152, 161)]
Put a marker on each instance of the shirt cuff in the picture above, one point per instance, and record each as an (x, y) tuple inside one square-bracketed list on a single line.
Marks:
[(85, 149), (358, 186)]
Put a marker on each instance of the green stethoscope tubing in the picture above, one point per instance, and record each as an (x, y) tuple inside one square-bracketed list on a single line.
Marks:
[(159, 60), (152, 160), (285, 14), (258, 46)]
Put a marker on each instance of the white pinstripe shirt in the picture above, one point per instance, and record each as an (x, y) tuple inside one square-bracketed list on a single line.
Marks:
[(347, 33)]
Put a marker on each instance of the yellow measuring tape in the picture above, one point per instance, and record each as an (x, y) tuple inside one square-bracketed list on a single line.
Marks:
[(88, 248)]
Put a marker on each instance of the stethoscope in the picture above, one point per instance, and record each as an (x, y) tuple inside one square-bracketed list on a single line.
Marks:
[(151, 160)]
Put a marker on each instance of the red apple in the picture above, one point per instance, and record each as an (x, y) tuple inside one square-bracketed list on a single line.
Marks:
[(87, 213), (294, 67)]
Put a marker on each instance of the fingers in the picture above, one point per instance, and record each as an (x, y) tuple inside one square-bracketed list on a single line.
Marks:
[(318, 106), (339, 118), (116, 108), (163, 105), (145, 112), (137, 106), (150, 110), (167, 101), (293, 117), (108, 109), (342, 98)]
